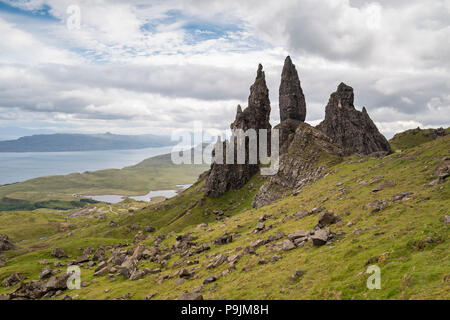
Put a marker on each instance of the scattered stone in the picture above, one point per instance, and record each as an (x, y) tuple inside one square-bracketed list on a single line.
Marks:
[(209, 279), (259, 227), (5, 243), (59, 253), (288, 245), (447, 219), (298, 234), (217, 261), (401, 196), (46, 273), (224, 239), (262, 261), (377, 205), (58, 282), (190, 296), (297, 275), (275, 258), (383, 185), (184, 273), (140, 236), (12, 280), (149, 229), (137, 274), (320, 237), (150, 296), (326, 218)]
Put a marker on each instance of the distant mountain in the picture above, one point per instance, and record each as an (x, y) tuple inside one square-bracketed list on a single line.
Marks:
[(83, 142)]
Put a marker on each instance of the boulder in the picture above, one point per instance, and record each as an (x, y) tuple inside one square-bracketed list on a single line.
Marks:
[(226, 238), (46, 273), (59, 253), (298, 234), (320, 237), (30, 290), (288, 245), (5, 243), (12, 280), (58, 282), (210, 279), (190, 296), (326, 218)]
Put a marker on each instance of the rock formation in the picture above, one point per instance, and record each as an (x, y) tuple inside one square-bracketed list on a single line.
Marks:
[(291, 98), (224, 177), (350, 129), (307, 159), (292, 104)]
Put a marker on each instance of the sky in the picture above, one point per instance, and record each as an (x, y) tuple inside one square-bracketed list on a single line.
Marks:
[(135, 67)]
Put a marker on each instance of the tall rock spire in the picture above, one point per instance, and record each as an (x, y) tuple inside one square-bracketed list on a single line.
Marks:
[(224, 177), (291, 98), (349, 128), (292, 104)]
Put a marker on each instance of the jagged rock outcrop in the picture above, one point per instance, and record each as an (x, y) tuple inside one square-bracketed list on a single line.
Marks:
[(291, 98), (292, 104), (350, 129), (309, 156), (224, 177)]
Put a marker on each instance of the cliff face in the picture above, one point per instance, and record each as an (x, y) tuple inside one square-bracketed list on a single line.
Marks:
[(349, 128), (224, 177), (307, 159)]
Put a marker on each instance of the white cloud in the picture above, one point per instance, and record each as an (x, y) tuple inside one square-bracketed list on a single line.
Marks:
[(137, 67)]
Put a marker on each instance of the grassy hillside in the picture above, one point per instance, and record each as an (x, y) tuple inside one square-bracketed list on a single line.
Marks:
[(415, 137), (407, 238), (156, 173)]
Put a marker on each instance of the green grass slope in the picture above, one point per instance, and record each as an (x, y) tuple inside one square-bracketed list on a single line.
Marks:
[(414, 137), (407, 239)]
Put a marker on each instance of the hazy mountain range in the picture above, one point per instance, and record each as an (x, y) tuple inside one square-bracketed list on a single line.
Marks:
[(83, 142)]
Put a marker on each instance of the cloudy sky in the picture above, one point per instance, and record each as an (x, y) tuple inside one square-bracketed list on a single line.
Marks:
[(137, 67)]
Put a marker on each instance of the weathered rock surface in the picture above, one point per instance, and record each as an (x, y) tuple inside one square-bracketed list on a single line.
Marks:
[(309, 155), (291, 98), (5, 243), (59, 253), (349, 128), (12, 280), (320, 237), (292, 105), (224, 177)]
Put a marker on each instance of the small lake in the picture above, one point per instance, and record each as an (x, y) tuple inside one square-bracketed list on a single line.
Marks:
[(113, 199)]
